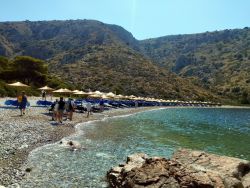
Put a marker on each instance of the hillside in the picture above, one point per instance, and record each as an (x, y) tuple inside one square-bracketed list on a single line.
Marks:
[(44, 39), (124, 71), (218, 60), (91, 54)]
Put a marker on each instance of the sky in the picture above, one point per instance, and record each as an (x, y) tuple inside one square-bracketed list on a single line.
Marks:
[(143, 18)]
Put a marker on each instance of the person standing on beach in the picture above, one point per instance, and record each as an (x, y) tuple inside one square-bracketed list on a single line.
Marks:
[(54, 108), (23, 103), (136, 104), (70, 108), (101, 105), (61, 108), (88, 106), (43, 95)]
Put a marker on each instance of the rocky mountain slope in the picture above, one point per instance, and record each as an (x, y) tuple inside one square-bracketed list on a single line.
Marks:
[(219, 60), (94, 55)]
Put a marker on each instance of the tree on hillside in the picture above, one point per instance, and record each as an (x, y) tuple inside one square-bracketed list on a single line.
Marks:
[(30, 70), (245, 99), (6, 70), (3, 63)]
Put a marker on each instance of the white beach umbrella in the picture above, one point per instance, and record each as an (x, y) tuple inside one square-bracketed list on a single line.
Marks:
[(132, 97), (90, 93), (46, 88), (18, 84), (62, 91), (119, 96), (104, 96), (110, 95), (97, 93), (80, 93), (75, 91), (95, 96)]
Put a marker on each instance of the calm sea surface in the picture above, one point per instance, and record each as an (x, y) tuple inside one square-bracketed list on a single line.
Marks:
[(159, 132)]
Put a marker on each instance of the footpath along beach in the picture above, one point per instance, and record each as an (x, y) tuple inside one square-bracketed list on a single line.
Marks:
[(19, 135)]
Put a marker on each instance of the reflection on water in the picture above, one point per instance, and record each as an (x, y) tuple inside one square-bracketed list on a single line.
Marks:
[(107, 143)]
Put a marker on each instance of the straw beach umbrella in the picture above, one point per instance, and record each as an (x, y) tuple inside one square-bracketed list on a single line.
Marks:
[(46, 88), (110, 95), (75, 91), (97, 93), (18, 84), (119, 96), (80, 93), (105, 96), (63, 91), (95, 96), (132, 97), (90, 93)]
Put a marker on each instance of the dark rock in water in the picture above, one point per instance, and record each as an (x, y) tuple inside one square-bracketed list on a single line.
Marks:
[(28, 170), (186, 169)]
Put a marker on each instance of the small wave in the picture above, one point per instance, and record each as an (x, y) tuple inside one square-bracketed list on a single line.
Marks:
[(79, 126)]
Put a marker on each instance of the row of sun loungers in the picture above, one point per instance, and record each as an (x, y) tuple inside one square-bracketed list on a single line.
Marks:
[(108, 104)]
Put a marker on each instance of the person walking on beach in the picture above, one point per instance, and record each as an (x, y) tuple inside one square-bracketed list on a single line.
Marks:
[(70, 108), (61, 108), (54, 108), (88, 106), (101, 104), (23, 103)]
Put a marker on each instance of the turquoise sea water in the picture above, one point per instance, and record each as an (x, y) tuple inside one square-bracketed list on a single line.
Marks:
[(159, 132)]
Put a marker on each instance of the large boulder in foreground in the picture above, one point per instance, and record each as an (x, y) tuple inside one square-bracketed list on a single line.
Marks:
[(187, 168)]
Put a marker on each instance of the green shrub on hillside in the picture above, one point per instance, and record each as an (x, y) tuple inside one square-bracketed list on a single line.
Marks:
[(28, 70)]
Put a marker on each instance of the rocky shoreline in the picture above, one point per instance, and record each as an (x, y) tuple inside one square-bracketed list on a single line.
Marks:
[(186, 168), (19, 135)]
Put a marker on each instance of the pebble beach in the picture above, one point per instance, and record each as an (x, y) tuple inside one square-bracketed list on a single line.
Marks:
[(19, 135)]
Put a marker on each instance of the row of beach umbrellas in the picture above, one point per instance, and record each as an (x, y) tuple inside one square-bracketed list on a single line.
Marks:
[(95, 94), (98, 94)]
